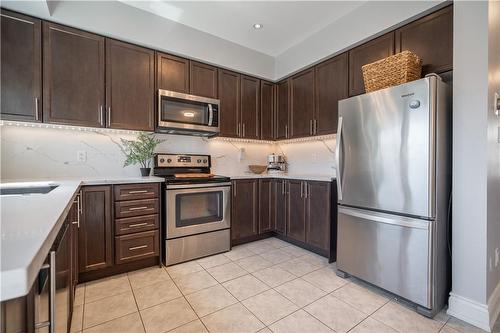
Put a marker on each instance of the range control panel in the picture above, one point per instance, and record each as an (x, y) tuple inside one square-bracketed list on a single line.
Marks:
[(176, 161)]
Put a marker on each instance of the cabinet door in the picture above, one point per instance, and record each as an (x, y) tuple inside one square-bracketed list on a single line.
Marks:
[(302, 104), (282, 109), (73, 218), (267, 110), (129, 86), (296, 212), (203, 79), (250, 106), (266, 205), (21, 79), (431, 38), (73, 76), (229, 96), (280, 186), (369, 52), (331, 86), (318, 218), (244, 220), (173, 73), (95, 248)]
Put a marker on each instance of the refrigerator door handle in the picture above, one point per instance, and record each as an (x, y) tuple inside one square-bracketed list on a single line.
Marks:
[(337, 159), (398, 220)]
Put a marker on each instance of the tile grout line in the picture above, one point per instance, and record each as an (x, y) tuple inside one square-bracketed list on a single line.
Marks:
[(136, 304)]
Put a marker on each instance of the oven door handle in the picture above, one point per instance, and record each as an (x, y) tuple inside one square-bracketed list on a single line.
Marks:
[(188, 186)]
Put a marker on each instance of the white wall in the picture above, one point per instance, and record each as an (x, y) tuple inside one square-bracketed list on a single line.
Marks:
[(372, 18), (475, 167), (33, 152), (117, 20)]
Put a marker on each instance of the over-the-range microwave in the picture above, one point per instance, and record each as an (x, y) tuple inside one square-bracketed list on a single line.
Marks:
[(186, 114)]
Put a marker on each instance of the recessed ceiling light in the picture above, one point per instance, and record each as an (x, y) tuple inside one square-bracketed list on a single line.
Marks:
[(258, 26)]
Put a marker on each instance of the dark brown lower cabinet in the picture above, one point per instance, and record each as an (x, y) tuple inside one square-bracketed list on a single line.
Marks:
[(296, 212), (318, 214), (281, 205), (245, 210), (267, 199), (95, 246)]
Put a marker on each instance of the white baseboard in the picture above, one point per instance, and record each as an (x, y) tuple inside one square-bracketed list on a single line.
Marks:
[(470, 311), (494, 305)]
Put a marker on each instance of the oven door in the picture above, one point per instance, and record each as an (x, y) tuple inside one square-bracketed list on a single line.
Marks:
[(178, 111), (194, 209)]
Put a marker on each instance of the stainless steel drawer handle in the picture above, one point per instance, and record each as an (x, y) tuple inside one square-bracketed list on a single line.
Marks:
[(137, 247), (138, 191), (137, 225), (138, 208)]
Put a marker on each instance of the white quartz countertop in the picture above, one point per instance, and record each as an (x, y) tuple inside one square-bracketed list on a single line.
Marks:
[(30, 223), (317, 177)]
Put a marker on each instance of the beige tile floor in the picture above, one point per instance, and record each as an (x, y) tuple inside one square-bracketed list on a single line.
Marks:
[(264, 286)]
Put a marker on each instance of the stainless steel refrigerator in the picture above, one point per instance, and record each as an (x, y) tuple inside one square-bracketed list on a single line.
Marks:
[(394, 177)]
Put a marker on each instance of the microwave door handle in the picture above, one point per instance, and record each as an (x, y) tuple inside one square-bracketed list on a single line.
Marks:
[(210, 114)]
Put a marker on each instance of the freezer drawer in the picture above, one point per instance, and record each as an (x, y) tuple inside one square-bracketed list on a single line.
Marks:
[(389, 251)]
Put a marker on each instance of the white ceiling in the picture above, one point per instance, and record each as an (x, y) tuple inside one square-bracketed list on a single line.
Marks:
[(286, 23)]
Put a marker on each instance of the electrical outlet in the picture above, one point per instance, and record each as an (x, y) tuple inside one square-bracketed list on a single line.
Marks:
[(497, 255), (81, 156), (242, 154)]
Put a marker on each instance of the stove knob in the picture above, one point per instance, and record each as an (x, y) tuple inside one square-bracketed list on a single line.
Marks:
[(198, 161), (204, 161), (169, 160), (162, 160)]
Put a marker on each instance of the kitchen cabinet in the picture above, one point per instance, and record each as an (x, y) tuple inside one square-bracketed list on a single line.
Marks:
[(249, 107), (281, 196), (95, 236), (74, 224), (296, 211), (129, 86), (318, 214), (245, 210), (229, 96), (302, 104), (203, 79), (21, 79), (73, 76), (330, 87), (431, 38), (282, 110), (172, 73), (267, 107), (369, 52), (267, 204)]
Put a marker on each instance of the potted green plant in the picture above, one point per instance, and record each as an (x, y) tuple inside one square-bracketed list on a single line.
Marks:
[(140, 151)]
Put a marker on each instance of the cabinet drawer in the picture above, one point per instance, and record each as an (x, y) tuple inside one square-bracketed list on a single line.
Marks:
[(136, 208), (136, 246), (135, 191), (131, 225)]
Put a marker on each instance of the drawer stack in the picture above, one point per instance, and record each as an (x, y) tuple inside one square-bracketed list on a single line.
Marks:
[(136, 221)]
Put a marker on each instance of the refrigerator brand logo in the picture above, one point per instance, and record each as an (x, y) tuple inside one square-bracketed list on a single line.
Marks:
[(408, 95)]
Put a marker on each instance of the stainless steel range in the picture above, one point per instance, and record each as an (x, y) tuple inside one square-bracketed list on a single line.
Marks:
[(196, 207)]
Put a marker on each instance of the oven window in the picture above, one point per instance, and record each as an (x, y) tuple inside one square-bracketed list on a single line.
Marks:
[(181, 111), (198, 208)]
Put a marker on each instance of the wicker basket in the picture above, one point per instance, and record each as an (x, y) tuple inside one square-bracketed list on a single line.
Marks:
[(391, 71)]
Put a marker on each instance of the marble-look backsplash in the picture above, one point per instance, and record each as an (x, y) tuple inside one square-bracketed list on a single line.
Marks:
[(33, 152)]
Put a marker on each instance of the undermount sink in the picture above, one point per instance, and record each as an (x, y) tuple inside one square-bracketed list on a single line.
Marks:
[(27, 189)]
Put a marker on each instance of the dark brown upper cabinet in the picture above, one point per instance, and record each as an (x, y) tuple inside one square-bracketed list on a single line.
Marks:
[(173, 73), (296, 211), (267, 204), (21, 79), (229, 96), (369, 52), (95, 236), (302, 104), (431, 38), (202, 79), (267, 106), (282, 110), (73, 76), (318, 214), (245, 209), (331, 86), (129, 86), (250, 106)]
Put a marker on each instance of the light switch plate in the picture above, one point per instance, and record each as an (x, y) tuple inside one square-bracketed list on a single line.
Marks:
[(81, 156)]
